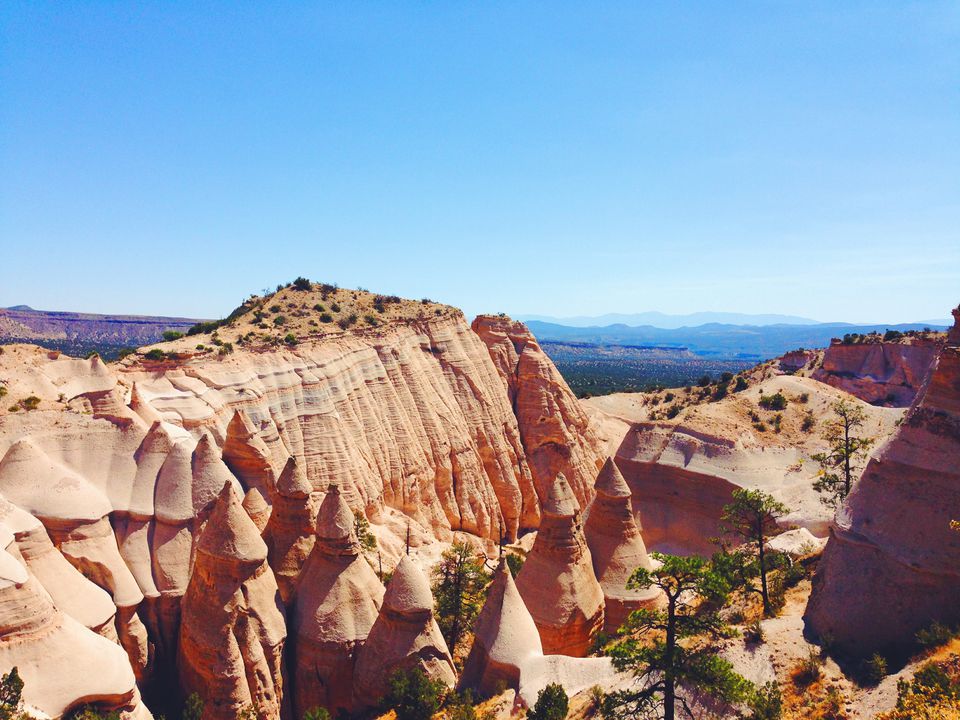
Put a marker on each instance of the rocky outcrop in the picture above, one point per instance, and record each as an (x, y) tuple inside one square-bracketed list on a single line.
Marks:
[(556, 432), (404, 636), (336, 604), (505, 638), (616, 547), (557, 581), (257, 508), (232, 633), (62, 663), (122, 462), (890, 566), (682, 471), (506, 650), (887, 373), (247, 455), (291, 530)]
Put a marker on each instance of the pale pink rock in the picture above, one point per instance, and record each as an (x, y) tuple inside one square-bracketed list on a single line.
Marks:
[(404, 636), (232, 633), (557, 581), (557, 434), (616, 548), (890, 565), (337, 601), (291, 530)]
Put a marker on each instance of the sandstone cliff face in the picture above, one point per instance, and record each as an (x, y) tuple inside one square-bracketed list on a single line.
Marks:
[(121, 464), (557, 581), (890, 566), (681, 472), (882, 373), (556, 432), (232, 634)]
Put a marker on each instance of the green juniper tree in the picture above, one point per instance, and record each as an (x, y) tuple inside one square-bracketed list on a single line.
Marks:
[(845, 454), (753, 516), (459, 582), (682, 651)]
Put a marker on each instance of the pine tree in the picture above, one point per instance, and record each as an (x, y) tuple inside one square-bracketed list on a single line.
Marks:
[(845, 455), (459, 582), (674, 646), (752, 516)]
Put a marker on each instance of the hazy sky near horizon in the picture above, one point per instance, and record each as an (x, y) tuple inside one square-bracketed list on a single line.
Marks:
[(551, 158)]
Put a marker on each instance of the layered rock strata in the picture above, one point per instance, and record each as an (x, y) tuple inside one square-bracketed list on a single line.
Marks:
[(616, 547), (557, 582), (337, 601), (405, 636), (121, 463), (879, 373), (62, 663), (556, 432), (891, 564), (232, 633)]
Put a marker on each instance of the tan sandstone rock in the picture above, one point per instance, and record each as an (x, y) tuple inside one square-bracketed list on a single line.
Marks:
[(557, 434), (291, 530), (507, 650), (61, 662), (890, 566), (404, 636), (232, 633), (248, 456), (336, 603), (557, 582), (616, 547)]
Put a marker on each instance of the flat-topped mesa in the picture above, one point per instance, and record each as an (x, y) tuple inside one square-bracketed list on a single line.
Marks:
[(890, 566), (232, 631), (556, 432), (248, 456), (505, 638), (291, 530), (257, 508), (616, 547), (337, 600), (557, 582), (62, 663), (404, 636)]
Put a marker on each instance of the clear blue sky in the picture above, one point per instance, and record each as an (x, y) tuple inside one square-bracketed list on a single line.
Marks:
[(556, 158)]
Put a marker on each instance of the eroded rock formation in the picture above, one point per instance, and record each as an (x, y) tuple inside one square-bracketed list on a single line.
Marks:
[(232, 632), (889, 373), (556, 432), (291, 529), (507, 650), (118, 470), (337, 601), (404, 636), (557, 582), (616, 547), (891, 564)]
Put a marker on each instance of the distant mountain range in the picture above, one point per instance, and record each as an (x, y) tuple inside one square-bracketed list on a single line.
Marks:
[(672, 322), (80, 333), (717, 340)]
